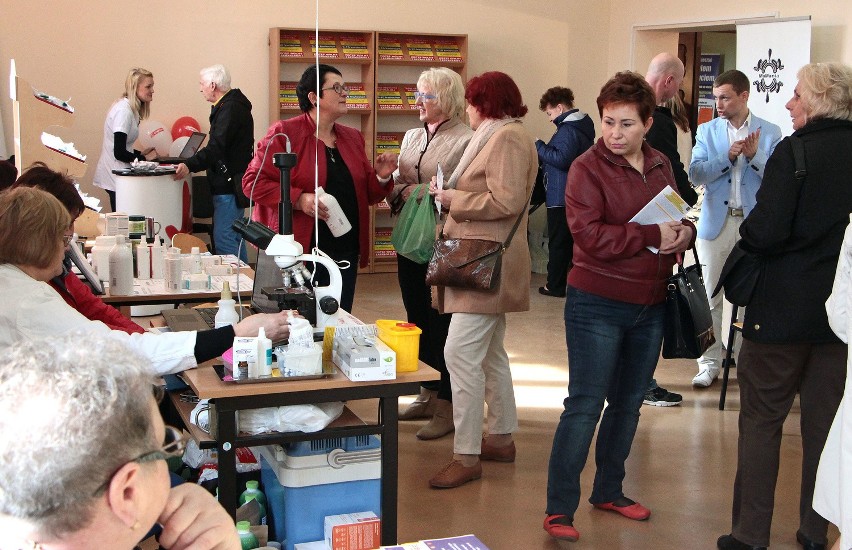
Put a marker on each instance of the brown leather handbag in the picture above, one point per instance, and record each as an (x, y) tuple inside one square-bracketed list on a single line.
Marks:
[(468, 263)]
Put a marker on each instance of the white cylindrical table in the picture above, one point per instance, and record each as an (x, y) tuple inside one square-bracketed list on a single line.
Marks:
[(154, 194)]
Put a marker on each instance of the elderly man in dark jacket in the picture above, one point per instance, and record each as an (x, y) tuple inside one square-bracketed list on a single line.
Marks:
[(226, 156)]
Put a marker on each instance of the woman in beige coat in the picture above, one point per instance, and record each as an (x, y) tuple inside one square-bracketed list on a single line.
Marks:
[(488, 192)]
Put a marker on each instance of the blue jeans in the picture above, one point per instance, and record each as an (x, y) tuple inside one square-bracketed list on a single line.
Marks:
[(613, 349), (225, 239)]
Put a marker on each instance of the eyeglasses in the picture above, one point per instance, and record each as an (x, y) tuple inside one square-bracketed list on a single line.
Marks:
[(338, 88), (67, 239), (424, 97), (173, 446)]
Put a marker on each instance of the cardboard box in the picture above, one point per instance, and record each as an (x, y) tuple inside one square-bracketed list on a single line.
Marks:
[(358, 531)]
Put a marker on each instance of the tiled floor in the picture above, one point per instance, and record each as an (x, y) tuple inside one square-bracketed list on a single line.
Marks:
[(681, 467)]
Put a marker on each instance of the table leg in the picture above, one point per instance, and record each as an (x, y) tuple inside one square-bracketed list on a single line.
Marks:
[(390, 467), (227, 433)]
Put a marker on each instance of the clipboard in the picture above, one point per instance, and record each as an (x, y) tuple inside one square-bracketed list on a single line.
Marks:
[(85, 268)]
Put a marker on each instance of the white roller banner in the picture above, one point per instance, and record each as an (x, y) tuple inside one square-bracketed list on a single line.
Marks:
[(770, 54)]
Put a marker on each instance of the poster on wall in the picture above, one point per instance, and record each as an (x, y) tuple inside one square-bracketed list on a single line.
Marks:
[(770, 54), (708, 70)]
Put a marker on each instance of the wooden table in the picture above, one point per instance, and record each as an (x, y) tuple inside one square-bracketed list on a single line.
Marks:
[(228, 398), (123, 303)]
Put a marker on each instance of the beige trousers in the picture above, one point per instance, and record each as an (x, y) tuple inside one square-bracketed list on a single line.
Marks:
[(479, 373)]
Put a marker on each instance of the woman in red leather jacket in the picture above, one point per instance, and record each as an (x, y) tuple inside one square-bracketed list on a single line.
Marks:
[(615, 302)]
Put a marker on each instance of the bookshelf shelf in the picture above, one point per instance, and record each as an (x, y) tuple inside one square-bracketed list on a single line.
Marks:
[(382, 69)]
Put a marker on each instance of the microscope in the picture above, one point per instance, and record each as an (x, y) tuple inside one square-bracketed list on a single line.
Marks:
[(314, 303)]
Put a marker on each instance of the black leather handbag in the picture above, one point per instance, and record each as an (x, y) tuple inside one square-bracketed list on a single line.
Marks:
[(739, 275), (688, 330)]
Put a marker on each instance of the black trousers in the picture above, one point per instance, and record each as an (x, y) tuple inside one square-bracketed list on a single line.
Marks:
[(560, 249), (770, 376), (417, 298)]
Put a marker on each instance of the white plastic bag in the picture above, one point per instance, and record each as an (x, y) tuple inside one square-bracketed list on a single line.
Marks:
[(290, 418)]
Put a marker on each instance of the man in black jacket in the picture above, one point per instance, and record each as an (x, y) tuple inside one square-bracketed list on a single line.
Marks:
[(665, 74), (226, 155)]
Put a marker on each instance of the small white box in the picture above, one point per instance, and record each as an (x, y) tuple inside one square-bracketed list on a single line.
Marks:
[(219, 270), (364, 359), (195, 281), (316, 545), (358, 531)]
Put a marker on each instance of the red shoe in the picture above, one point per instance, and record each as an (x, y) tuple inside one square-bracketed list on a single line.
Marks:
[(628, 509), (560, 526)]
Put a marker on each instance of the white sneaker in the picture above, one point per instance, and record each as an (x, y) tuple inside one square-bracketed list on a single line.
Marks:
[(706, 376)]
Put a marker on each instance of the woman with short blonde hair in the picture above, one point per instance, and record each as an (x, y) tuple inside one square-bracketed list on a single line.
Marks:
[(789, 349)]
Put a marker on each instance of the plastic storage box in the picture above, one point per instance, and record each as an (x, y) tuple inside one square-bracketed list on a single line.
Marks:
[(404, 339), (299, 361), (308, 480)]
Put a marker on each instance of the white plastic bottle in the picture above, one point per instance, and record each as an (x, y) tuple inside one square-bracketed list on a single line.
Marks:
[(172, 269), (120, 268), (226, 315), (337, 221), (143, 261), (158, 260), (264, 354), (100, 255), (195, 260)]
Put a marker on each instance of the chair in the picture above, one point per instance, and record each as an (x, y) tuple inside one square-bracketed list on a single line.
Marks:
[(202, 209), (185, 242), (736, 326)]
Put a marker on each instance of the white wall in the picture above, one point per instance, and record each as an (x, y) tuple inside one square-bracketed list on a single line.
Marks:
[(75, 50)]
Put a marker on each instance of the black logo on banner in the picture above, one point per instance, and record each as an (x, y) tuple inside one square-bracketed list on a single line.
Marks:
[(768, 75)]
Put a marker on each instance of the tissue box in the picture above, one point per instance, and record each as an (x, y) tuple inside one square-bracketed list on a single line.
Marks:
[(363, 359), (358, 531)]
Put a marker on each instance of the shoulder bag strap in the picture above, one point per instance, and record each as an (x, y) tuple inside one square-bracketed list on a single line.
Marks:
[(799, 158)]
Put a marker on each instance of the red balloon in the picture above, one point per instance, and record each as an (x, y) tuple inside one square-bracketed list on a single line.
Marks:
[(184, 126)]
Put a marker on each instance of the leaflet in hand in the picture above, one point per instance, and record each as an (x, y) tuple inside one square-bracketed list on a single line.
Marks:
[(667, 206)]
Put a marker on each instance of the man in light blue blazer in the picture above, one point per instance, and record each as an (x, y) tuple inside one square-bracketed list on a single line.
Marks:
[(728, 159)]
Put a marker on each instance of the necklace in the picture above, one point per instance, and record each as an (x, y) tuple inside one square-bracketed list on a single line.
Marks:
[(330, 152)]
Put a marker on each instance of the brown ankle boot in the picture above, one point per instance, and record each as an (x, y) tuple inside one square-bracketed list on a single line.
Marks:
[(441, 424), (422, 407)]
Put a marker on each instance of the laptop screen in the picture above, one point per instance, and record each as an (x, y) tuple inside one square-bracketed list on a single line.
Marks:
[(192, 145), (266, 274)]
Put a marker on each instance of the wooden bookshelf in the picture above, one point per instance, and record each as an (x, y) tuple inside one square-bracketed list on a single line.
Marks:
[(382, 69)]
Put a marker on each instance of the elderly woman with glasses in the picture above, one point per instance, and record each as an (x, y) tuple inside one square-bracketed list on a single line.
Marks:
[(83, 447), (75, 293), (796, 228), (336, 152), (33, 226), (440, 140)]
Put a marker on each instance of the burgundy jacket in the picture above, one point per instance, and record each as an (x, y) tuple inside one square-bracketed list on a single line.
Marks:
[(610, 256), (267, 194)]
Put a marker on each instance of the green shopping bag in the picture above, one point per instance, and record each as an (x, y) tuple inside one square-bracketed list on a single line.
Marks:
[(414, 234)]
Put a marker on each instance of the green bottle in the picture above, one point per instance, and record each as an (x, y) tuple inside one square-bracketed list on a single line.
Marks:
[(251, 489), (247, 539)]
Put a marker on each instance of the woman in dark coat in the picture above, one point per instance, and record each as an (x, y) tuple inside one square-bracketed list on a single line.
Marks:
[(797, 227)]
